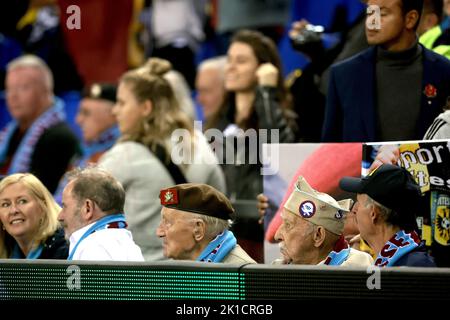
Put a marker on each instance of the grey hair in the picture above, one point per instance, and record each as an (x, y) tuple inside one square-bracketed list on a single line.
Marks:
[(214, 226), (384, 210), (32, 61), (330, 237), (390, 216), (99, 186), (311, 227), (216, 63)]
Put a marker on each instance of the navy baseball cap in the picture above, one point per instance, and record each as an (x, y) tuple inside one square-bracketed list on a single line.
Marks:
[(390, 185), (101, 91)]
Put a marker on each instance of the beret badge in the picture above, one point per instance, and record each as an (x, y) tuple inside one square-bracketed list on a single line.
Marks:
[(169, 196)]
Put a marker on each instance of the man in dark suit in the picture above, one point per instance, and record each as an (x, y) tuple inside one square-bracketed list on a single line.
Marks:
[(391, 91)]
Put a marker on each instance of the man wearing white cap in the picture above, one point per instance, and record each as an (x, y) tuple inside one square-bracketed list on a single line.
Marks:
[(311, 232)]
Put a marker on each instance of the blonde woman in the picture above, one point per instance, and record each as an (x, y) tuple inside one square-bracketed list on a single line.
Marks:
[(143, 160), (28, 218)]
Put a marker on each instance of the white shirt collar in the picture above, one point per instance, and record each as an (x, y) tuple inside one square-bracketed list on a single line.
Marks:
[(76, 236)]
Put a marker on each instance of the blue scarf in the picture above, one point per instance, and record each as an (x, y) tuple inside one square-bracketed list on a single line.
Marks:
[(22, 158), (399, 245), (218, 248), (33, 254), (108, 222), (340, 253), (106, 140)]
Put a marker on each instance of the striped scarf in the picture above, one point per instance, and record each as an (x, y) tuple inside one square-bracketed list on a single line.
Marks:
[(340, 253), (399, 245), (218, 248), (21, 160)]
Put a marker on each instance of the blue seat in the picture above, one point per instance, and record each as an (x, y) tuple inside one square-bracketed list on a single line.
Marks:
[(72, 100), (4, 114)]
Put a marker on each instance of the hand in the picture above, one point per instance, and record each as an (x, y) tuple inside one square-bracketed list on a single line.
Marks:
[(267, 75), (297, 28), (386, 154), (354, 242), (350, 226), (263, 204)]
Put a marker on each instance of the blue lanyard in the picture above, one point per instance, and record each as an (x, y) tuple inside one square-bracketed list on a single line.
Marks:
[(99, 225), (34, 254)]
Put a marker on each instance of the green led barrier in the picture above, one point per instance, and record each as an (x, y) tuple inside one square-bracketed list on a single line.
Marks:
[(72, 280), (66, 281)]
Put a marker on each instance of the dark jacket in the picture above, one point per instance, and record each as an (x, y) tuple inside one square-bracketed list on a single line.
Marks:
[(244, 181), (350, 114), (56, 247), (52, 153), (417, 258)]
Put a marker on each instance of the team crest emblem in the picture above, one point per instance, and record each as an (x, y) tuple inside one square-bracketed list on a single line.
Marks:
[(307, 209), (442, 225), (168, 196)]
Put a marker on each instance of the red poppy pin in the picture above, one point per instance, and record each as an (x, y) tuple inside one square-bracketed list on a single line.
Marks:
[(430, 91), (168, 196)]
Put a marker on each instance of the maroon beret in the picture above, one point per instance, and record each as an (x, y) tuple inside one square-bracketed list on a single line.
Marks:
[(197, 198)]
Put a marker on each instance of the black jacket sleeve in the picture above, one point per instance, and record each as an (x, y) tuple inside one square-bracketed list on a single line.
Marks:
[(270, 114), (56, 246), (332, 127), (52, 155)]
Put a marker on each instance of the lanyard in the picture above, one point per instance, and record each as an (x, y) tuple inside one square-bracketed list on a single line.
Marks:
[(99, 225), (34, 254)]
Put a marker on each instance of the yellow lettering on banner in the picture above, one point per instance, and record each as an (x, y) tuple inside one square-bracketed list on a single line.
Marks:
[(426, 234), (413, 159)]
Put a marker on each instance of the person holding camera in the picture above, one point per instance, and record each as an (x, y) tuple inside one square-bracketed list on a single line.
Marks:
[(308, 86)]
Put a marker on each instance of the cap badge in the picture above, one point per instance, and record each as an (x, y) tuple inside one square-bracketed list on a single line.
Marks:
[(339, 214), (96, 90), (307, 209), (169, 196)]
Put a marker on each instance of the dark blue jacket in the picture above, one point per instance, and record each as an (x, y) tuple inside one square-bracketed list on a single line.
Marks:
[(350, 114), (55, 247), (416, 258)]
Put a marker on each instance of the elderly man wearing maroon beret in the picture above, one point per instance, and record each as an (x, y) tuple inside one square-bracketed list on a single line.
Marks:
[(195, 219)]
